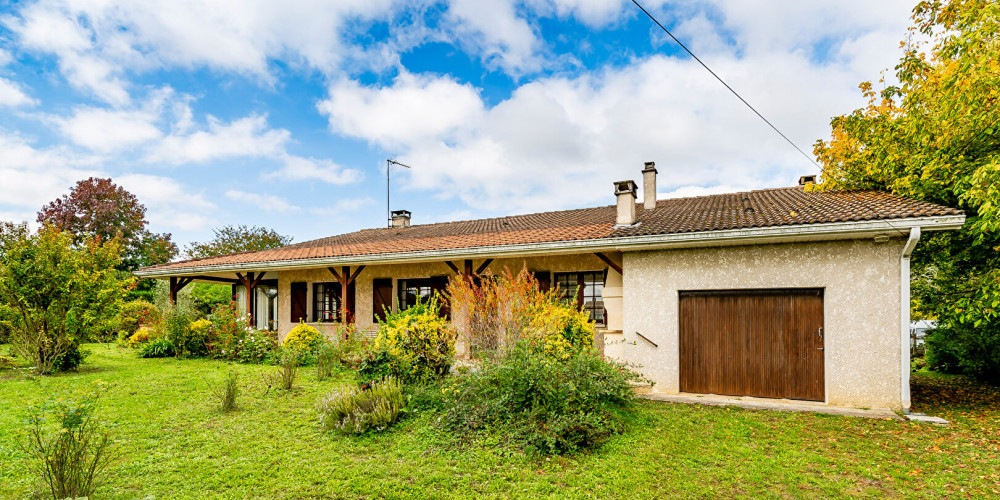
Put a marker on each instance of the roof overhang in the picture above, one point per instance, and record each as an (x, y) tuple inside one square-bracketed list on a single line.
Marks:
[(751, 236)]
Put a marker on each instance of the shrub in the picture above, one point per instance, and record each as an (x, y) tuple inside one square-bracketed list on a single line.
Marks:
[(68, 444), (7, 362), (141, 336), (356, 411), (159, 348), (414, 346), (285, 377), (942, 351), (554, 406), (227, 391), (500, 311), (72, 358), (326, 360), (302, 338), (229, 326), (258, 346), (136, 315)]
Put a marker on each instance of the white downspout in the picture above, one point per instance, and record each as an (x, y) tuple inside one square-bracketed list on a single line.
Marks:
[(904, 316)]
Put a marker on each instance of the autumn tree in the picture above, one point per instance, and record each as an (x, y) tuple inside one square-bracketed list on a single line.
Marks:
[(61, 292), (98, 210), (229, 239), (936, 137)]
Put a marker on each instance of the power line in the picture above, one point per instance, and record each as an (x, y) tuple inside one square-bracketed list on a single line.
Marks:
[(860, 199), (723, 82)]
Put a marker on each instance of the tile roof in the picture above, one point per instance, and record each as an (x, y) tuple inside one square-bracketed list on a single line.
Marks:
[(752, 209)]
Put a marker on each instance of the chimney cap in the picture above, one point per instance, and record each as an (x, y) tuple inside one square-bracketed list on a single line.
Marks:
[(650, 165), (403, 213), (623, 187), (807, 179)]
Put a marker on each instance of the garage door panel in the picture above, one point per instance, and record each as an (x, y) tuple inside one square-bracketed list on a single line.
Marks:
[(763, 343)]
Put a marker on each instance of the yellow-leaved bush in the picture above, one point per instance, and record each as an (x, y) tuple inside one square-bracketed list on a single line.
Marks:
[(414, 346), (302, 338), (558, 329), (141, 336)]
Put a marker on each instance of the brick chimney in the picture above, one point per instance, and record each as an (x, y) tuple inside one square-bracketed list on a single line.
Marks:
[(400, 218), (649, 186), (625, 192)]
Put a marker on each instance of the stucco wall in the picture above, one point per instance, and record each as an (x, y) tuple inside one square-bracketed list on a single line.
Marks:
[(364, 283), (861, 286)]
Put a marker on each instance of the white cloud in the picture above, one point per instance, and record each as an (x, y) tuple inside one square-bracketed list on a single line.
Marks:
[(266, 202), (343, 206), (11, 95), (300, 168), (106, 130), (245, 137), (32, 177), (413, 109), (169, 203)]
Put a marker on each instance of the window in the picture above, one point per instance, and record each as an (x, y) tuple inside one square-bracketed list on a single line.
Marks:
[(326, 302), (413, 290), (585, 291)]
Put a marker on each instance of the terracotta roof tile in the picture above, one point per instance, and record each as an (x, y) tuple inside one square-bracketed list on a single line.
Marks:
[(764, 208)]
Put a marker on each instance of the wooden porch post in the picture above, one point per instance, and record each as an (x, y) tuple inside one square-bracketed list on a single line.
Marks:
[(345, 278), (173, 291)]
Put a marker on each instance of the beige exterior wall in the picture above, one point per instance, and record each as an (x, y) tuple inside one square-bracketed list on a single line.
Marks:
[(364, 283), (861, 282)]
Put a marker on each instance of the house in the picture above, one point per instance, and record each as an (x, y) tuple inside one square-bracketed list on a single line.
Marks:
[(780, 293)]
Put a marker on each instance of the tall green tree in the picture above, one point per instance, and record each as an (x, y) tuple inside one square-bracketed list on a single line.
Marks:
[(99, 210), (61, 292), (936, 136), (236, 239)]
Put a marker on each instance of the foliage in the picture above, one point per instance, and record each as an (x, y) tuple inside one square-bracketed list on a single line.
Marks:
[(158, 348), (302, 338), (257, 346), (326, 360), (285, 377), (135, 315), (61, 293), (177, 322), (413, 346), (68, 446), (555, 406), (97, 209), (961, 349), (936, 137), (72, 358), (500, 311), (353, 410), (206, 297), (228, 327), (235, 239), (227, 392)]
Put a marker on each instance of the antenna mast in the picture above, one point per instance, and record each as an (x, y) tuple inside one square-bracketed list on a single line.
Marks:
[(389, 162)]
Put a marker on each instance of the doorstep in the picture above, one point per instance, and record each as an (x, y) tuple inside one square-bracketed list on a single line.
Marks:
[(771, 404)]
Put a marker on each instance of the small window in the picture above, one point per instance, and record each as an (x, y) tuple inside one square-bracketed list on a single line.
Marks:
[(585, 291), (413, 290), (326, 302)]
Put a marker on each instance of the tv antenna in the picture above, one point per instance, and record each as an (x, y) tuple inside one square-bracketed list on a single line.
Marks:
[(389, 162)]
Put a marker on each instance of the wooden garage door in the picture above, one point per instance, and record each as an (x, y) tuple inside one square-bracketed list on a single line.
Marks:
[(763, 343)]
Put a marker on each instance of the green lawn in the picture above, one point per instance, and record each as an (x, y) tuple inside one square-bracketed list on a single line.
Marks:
[(175, 444)]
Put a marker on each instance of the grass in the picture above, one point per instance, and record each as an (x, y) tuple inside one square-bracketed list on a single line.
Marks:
[(175, 443)]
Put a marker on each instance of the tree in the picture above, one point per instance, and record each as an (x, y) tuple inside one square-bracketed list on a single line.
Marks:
[(229, 239), (236, 239), (97, 209), (60, 292), (936, 137)]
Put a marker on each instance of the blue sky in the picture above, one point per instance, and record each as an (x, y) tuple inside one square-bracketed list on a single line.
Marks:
[(282, 114)]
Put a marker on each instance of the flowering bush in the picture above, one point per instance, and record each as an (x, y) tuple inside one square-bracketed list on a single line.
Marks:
[(302, 338), (141, 336), (257, 347), (159, 348), (500, 311), (228, 326), (415, 346)]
